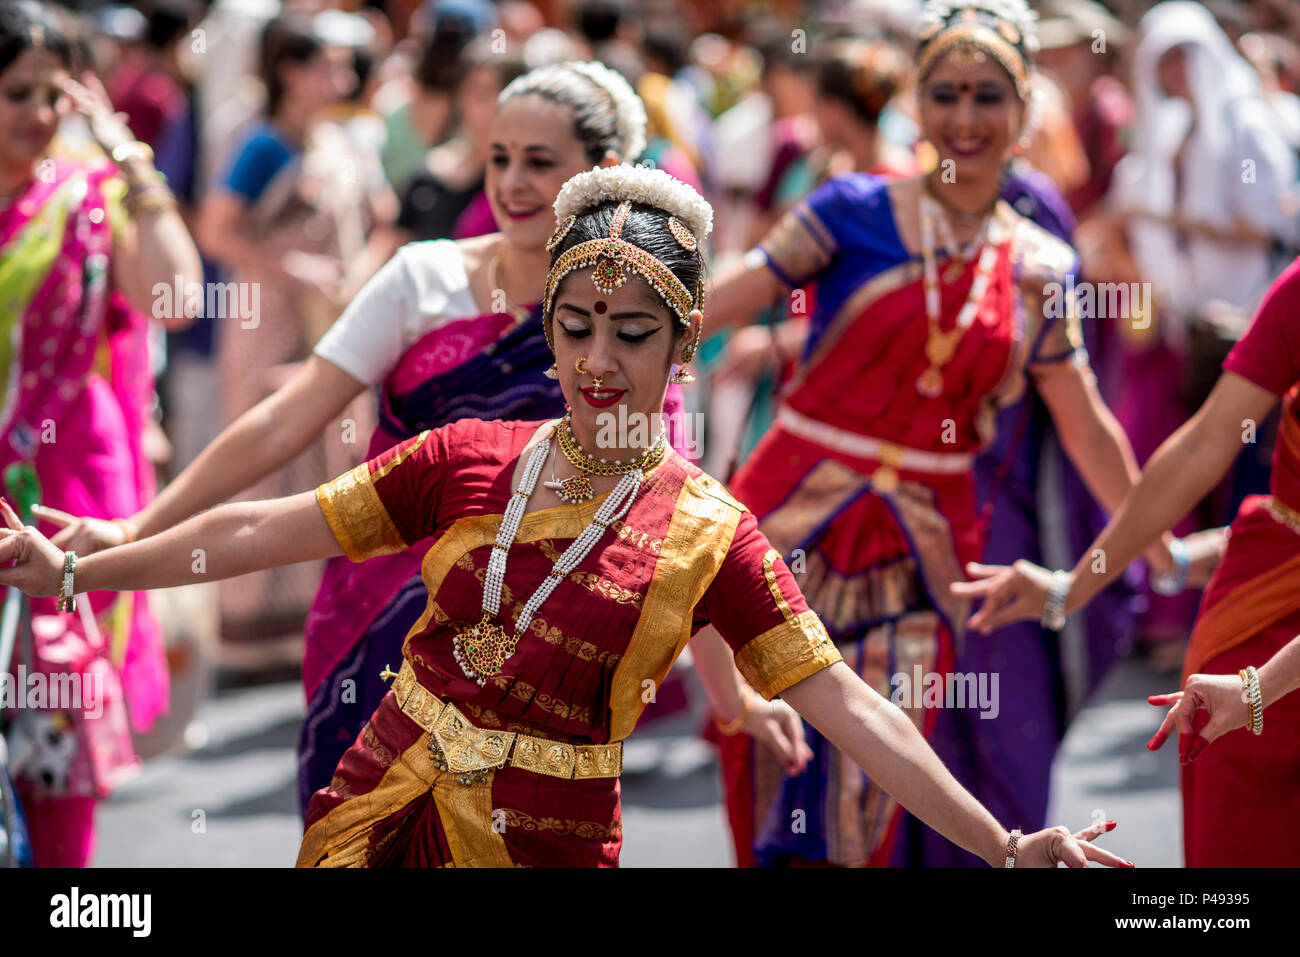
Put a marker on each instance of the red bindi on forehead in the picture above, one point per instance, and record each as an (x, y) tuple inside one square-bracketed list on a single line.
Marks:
[(600, 307)]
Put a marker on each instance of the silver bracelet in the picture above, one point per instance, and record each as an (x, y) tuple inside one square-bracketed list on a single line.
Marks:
[(1054, 608), (1172, 583)]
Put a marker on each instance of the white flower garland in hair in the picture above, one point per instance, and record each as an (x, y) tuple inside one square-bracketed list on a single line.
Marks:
[(629, 111), (653, 187), (1015, 12)]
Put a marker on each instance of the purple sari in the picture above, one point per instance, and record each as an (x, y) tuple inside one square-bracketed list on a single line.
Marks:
[(1006, 761)]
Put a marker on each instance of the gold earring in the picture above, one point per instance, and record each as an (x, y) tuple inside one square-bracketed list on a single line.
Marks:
[(683, 376), (927, 157), (581, 365), (552, 372)]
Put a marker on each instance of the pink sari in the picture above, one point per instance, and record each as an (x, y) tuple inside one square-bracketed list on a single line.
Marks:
[(75, 385)]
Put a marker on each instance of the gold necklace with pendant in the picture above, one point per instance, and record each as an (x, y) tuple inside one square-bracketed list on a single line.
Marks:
[(483, 648), (578, 488), (941, 346)]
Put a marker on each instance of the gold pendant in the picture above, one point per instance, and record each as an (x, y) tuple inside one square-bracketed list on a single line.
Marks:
[(930, 383), (884, 479), (940, 346), (482, 649), (575, 489)]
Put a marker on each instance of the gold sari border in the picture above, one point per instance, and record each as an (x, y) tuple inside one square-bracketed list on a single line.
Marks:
[(798, 247), (786, 654), (356, 516), (699, 535)]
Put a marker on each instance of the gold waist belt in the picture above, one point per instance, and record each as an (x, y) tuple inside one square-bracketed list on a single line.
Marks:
[(470, 751)]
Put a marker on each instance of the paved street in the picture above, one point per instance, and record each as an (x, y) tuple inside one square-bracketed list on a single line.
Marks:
[(232, 801)]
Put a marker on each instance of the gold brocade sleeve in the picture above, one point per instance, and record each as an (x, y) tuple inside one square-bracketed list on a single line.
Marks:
[(798, 247), (356, 516), (759, 611), (786, 654)]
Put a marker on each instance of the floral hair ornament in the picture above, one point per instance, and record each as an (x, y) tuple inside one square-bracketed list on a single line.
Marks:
[(612, 259)]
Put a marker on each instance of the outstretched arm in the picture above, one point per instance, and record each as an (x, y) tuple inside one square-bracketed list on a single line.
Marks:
[(1182, 471), (221, 543), (886, 745), (262, 440)]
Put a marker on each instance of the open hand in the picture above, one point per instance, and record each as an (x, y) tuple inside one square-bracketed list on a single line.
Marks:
[(1208, 706), (91, 100), (81, 535), (1053, 846), (37, 567), (1011, 593)]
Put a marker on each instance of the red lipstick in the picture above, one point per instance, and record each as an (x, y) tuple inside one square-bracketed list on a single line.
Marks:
[(613, 396)]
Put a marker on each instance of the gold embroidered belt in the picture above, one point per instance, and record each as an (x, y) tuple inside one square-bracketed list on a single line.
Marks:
[(470, 751), (890, 455), (1284, 514)]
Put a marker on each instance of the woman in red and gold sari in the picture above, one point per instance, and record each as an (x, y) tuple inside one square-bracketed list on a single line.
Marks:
[(1249, 783), (865, 483), (555, 606)]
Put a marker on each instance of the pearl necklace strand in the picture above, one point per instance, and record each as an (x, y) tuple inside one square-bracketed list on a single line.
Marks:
[(611, 510), (940, 346)]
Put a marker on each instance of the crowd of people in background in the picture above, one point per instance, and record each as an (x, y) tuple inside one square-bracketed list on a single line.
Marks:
[(308, 143)]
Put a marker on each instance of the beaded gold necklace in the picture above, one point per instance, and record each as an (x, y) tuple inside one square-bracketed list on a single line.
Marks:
[(578, 488)]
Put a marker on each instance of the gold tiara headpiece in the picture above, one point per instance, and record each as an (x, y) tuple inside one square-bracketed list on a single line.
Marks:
[(615, 259), (970, 34)]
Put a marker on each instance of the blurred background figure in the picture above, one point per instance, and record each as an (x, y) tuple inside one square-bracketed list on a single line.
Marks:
[(87, 230), (1199, 199), (291, 210)]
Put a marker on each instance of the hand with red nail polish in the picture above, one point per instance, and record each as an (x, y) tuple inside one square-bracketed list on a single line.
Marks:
[(1056, 845), (1208, 706)]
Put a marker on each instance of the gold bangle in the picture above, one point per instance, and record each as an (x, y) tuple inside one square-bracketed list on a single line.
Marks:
[(132, 149), (141, 184), (1013, 847), (153, 201), (736, 724), (128, 533)]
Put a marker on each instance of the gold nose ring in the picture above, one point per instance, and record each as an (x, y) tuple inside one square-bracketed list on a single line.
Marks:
[(598, 382), (581, 365)]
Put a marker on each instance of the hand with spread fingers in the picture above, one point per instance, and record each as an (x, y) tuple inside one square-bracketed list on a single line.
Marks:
[(1011, 593), (92, 101), (1054, 846), (1207, 707), (83, 535), (37, 563)]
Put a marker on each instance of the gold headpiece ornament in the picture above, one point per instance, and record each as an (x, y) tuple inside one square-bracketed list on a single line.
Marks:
[(970, 29), (614, 259)]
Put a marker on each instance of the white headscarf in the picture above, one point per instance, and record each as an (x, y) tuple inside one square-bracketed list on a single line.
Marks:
[(1233, 126)]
